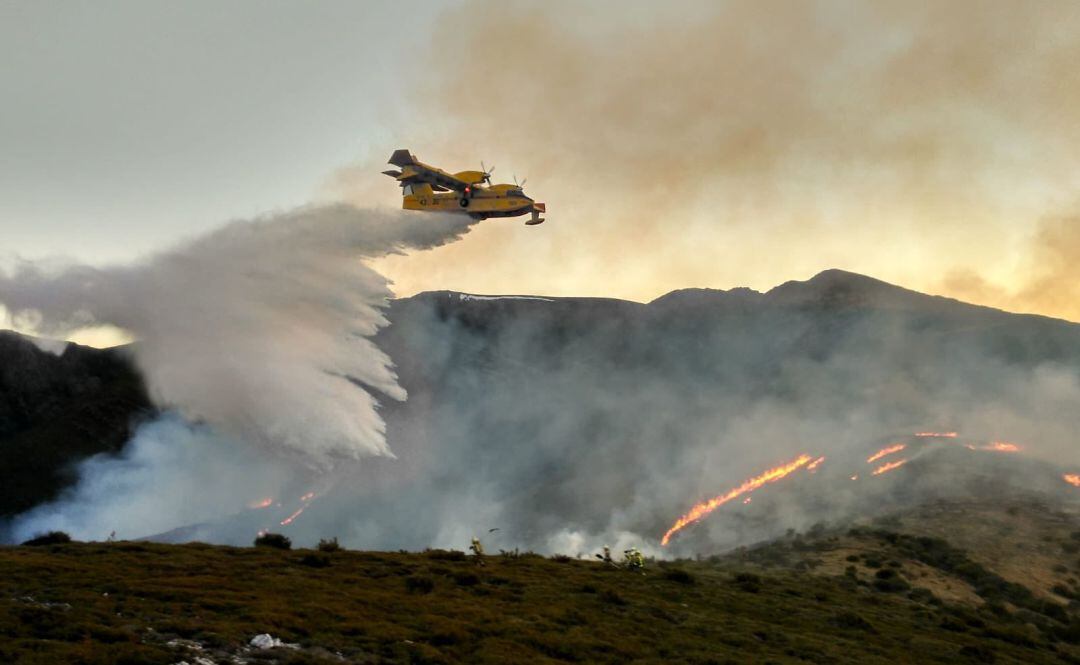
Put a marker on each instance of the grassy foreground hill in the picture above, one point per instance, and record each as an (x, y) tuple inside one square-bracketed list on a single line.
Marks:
[(887, 592)]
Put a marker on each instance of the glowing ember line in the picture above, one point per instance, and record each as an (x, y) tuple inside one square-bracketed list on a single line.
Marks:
[(702, 509), (889, 466), (289, 520), (813, 466), (996, 446), (1072, 478), (265, 503), (304, 500), (943, 435), (888, 450)]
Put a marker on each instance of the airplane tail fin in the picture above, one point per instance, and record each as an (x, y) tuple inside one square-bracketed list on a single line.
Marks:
[(402, 157)]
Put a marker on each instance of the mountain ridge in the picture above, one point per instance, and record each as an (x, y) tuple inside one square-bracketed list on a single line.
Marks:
[(832, 287)]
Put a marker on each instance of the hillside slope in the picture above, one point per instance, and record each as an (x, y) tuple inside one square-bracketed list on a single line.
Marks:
[(57, 409), (580, 419), (878, 593)]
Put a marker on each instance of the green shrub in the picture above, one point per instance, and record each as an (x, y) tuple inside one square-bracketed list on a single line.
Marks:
[(466, 579), (679, 575), (979, 653), (330, 545), (748, 582), (445, 555), (50, 538), (315, 561), (419, 584), (921, 595), (888, 581), (612, 598), (274, 540), (851, 620), (1063, 591)]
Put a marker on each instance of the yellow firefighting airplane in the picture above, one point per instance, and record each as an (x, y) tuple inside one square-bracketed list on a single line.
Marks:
[(428, 188)]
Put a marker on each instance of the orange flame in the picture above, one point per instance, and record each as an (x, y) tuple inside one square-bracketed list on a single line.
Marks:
[(1072, 478), (289, 520), (746, 500), (305, 500), (702, 509), (265, 503), (889, 466), (944, 435), (813, 466), (888, 450), (855, 477), (997, 446)]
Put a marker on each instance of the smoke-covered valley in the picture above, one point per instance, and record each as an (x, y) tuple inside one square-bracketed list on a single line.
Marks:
[(563, 424)]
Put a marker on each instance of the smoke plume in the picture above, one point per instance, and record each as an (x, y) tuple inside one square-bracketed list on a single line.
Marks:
[(261, 329), (1051, 273), (712, 144), (258, 336)]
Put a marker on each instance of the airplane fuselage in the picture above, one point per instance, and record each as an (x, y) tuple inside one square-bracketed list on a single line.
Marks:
[(480, 202), (430, 189)]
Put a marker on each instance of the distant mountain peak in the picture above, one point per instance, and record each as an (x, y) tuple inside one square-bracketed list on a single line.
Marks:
[(700, 296), (841, 288)]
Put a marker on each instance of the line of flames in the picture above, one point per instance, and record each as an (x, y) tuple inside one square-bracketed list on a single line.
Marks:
[(700, 510), (304, 500), (997, 446), (886, 451), (889, 466), (704, 508)]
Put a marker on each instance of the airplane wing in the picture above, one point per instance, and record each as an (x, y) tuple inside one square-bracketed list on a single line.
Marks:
[(414, 171)]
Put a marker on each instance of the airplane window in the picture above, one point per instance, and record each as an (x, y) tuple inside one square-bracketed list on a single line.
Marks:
[(406, 190)]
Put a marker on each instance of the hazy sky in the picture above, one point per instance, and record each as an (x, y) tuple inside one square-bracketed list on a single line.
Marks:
[(712, 144), (126, 125)]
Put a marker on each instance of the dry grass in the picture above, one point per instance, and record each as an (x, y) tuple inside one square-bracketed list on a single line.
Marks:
[(123, 603)]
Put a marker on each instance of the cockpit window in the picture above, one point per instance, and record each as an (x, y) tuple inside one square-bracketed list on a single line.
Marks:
[(406, 190), (515, 192)]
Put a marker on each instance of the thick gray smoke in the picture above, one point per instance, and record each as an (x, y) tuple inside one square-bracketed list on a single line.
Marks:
[(261, 328), (570, 424), (261, 331), (565, 424)]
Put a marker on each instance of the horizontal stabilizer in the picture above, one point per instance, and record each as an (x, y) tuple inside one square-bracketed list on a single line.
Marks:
[(393, 174), (402, 157)]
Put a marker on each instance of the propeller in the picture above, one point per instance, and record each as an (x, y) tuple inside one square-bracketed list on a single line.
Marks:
[(487, 172), (521, 184)]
